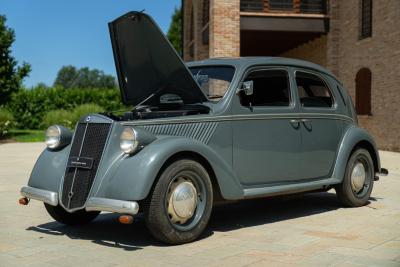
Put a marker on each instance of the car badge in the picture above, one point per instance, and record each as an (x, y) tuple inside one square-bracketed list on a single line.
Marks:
[(88, 118)]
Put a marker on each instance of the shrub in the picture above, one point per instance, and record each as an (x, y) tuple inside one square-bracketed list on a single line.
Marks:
[(60, 116), (6, 121), (69, 118), (85, 109), (31, 106)]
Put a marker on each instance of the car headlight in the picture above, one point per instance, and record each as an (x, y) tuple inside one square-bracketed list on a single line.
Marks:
[(128, 140), (57, 137)]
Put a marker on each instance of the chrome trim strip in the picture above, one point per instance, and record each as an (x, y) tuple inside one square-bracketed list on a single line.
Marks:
[(242, 117), (112, 205), (264, 191), (45, 196)]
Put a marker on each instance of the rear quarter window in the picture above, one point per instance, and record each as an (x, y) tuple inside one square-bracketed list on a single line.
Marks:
[(313, 91)]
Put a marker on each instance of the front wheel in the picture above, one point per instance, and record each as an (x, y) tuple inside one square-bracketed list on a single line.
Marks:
[(79, 217), (179, 207), (358, 181)]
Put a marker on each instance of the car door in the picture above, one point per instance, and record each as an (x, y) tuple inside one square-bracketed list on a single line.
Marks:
[(266, 135), (320, 125)]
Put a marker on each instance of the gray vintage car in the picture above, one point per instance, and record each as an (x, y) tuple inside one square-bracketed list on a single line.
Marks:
[(213, 130)]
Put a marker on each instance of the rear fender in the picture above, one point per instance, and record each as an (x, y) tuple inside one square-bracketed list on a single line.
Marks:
[(354, 136)]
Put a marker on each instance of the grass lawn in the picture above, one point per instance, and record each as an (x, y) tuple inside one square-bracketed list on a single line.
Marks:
[(27, 135)]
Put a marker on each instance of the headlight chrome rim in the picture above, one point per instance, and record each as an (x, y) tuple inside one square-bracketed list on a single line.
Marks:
[(53, 137), (128, 140)]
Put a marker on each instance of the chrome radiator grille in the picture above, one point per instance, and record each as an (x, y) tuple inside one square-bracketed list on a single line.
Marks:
[(88, 144)]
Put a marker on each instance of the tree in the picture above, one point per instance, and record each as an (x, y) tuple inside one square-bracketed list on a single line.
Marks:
[(11, 75), (71, 77), (175, 31)]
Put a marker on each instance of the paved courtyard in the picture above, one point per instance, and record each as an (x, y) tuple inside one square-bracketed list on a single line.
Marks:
[(308, 230)]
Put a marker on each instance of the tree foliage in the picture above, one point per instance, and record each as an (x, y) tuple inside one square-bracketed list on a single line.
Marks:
[(11, 75), (71, 77), (175, 31)]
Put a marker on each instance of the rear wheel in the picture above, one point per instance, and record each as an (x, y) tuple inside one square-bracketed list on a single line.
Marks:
[(178, 209), (79, 217), (358, 181)]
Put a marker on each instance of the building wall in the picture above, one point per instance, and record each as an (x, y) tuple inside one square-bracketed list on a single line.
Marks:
[(340, 51), (314, 51), (225, 28), (381, 54)]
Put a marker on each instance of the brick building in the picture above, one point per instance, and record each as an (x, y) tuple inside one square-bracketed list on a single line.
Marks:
[(358, 40)]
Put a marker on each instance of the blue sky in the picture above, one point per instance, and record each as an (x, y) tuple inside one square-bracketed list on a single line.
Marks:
[(53, 33)]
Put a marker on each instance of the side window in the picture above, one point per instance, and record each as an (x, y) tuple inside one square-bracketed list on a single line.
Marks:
[(313, 91), (270, 88)]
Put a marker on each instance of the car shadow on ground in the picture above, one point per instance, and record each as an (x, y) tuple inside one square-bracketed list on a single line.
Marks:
[(107, 231)]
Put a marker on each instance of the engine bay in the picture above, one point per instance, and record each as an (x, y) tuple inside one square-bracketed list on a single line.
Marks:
[(159, 111)]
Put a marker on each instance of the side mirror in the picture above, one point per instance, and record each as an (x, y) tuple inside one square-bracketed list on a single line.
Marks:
[(247, 87)]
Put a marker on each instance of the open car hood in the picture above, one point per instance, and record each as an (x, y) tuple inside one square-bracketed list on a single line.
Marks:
[(147, 63)]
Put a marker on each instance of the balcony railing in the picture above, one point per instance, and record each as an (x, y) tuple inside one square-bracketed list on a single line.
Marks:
[(287, 6)]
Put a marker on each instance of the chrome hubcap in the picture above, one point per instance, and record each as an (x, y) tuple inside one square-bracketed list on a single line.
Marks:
[(182, 201), (358, 176)]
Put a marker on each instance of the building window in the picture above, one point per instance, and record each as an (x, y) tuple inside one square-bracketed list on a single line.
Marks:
[(313, 6), (281, 5), (363, 92), (366, 19), (252, 5), (205, 32)]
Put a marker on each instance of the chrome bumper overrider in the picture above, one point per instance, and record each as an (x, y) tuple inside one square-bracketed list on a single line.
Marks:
[(112, 205), (45, 196), (92, 204), (383, 172)]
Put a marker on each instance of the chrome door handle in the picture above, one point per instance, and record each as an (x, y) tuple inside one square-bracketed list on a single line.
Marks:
[(307, 124), (295, 123)]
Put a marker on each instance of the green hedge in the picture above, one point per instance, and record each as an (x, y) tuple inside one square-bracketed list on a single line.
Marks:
[(6, 122), (30, 106), (69, 118)]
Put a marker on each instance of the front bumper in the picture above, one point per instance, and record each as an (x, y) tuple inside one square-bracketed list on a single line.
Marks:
[(92, 204), (45, 196)]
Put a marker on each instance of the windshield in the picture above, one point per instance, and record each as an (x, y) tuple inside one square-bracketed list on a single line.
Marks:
[(214, 81)]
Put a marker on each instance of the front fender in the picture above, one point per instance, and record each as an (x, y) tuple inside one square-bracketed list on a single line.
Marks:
[(134, 175), (352, 137), (49, 169)]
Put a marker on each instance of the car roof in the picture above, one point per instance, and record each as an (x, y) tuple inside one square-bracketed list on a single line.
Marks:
[(253, 61)]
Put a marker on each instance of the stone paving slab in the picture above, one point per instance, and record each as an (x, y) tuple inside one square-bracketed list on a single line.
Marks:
[(306, 230)]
